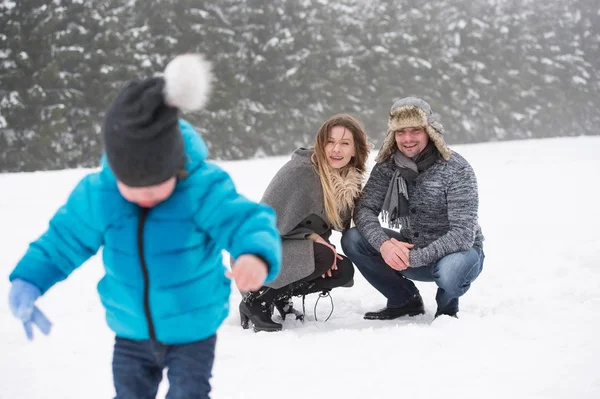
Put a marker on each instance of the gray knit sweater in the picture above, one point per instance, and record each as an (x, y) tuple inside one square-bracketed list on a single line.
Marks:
[(443, 210)]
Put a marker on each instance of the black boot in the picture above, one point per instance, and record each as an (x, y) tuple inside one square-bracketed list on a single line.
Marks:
[(413, 307), (449, 309), (303, 288), (256, 307), (439, 313), (284, 303), (285, 306)]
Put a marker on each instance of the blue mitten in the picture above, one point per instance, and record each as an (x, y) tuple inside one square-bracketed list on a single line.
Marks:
[(21, 301)]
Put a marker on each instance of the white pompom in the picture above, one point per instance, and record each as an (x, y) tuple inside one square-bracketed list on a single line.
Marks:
[(188, 82)]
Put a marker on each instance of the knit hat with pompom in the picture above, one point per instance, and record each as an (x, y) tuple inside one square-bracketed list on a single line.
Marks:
[(142, 140)]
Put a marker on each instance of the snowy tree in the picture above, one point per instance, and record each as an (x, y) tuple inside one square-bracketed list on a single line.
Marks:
[(493, 69)]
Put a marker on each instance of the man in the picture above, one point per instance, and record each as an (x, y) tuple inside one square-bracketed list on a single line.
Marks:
[(418, 184)]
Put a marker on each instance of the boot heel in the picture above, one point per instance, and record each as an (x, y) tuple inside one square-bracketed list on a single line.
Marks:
[(244, 321), (281, 311)]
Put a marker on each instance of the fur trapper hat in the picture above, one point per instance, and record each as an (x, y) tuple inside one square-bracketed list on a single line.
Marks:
[(412, 112)]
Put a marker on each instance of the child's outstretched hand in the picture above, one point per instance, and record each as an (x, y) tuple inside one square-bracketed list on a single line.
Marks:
[(21, 300), (249, 272)]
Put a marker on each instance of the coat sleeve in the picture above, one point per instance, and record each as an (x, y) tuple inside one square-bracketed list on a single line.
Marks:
[(288, 195), (299, 233), (463, 203), (368, 207), (236, 224), (70, 240)]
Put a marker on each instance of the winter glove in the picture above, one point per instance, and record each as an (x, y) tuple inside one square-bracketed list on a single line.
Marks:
[(21, 298)]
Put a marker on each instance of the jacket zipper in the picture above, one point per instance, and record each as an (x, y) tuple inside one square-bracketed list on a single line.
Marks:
[(140, 242)]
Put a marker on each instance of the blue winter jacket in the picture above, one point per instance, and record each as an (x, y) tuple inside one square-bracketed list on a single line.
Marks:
[(176, 247)]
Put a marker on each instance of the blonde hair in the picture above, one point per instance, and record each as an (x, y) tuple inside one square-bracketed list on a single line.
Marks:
[(326, 174)]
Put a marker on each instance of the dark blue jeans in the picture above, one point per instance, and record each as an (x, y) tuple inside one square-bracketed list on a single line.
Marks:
[(138, 367), (453, 273)]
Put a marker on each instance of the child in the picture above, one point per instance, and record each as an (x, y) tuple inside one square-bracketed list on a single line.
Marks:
[(163, 215)]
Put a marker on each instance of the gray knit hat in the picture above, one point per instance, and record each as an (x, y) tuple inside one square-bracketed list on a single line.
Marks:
[(413, 112), (142, 140)]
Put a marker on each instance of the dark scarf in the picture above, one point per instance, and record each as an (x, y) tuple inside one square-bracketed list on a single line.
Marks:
[(395, 205)]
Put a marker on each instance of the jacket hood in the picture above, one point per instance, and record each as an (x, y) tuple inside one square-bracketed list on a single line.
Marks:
[(303, 155)]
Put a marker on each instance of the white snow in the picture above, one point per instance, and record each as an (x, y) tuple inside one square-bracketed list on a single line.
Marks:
[(528, 327)]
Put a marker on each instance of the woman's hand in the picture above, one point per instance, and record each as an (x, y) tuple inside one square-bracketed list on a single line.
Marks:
[(336, 256)]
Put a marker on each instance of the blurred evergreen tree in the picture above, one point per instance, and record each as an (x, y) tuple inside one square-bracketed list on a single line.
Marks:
[(493, 69)]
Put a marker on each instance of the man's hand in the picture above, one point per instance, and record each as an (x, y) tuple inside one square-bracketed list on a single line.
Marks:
[(395, 253), (249, 273)]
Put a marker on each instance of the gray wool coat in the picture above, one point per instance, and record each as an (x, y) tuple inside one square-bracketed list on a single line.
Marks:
[(297, 197)]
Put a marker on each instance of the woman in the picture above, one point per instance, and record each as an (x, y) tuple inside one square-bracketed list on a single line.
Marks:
[(312, 194)]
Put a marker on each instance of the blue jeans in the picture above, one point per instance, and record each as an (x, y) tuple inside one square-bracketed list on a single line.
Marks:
[(453, 273), (138, 366)]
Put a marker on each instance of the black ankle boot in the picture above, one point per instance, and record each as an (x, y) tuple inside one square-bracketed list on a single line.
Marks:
[(256, 307), (413, 307)]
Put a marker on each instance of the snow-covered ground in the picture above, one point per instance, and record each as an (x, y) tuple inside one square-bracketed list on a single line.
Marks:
[(528, 327)]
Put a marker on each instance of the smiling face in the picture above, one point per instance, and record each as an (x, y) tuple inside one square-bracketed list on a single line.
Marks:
[(148, 197), (339, 148), (411, 140)]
